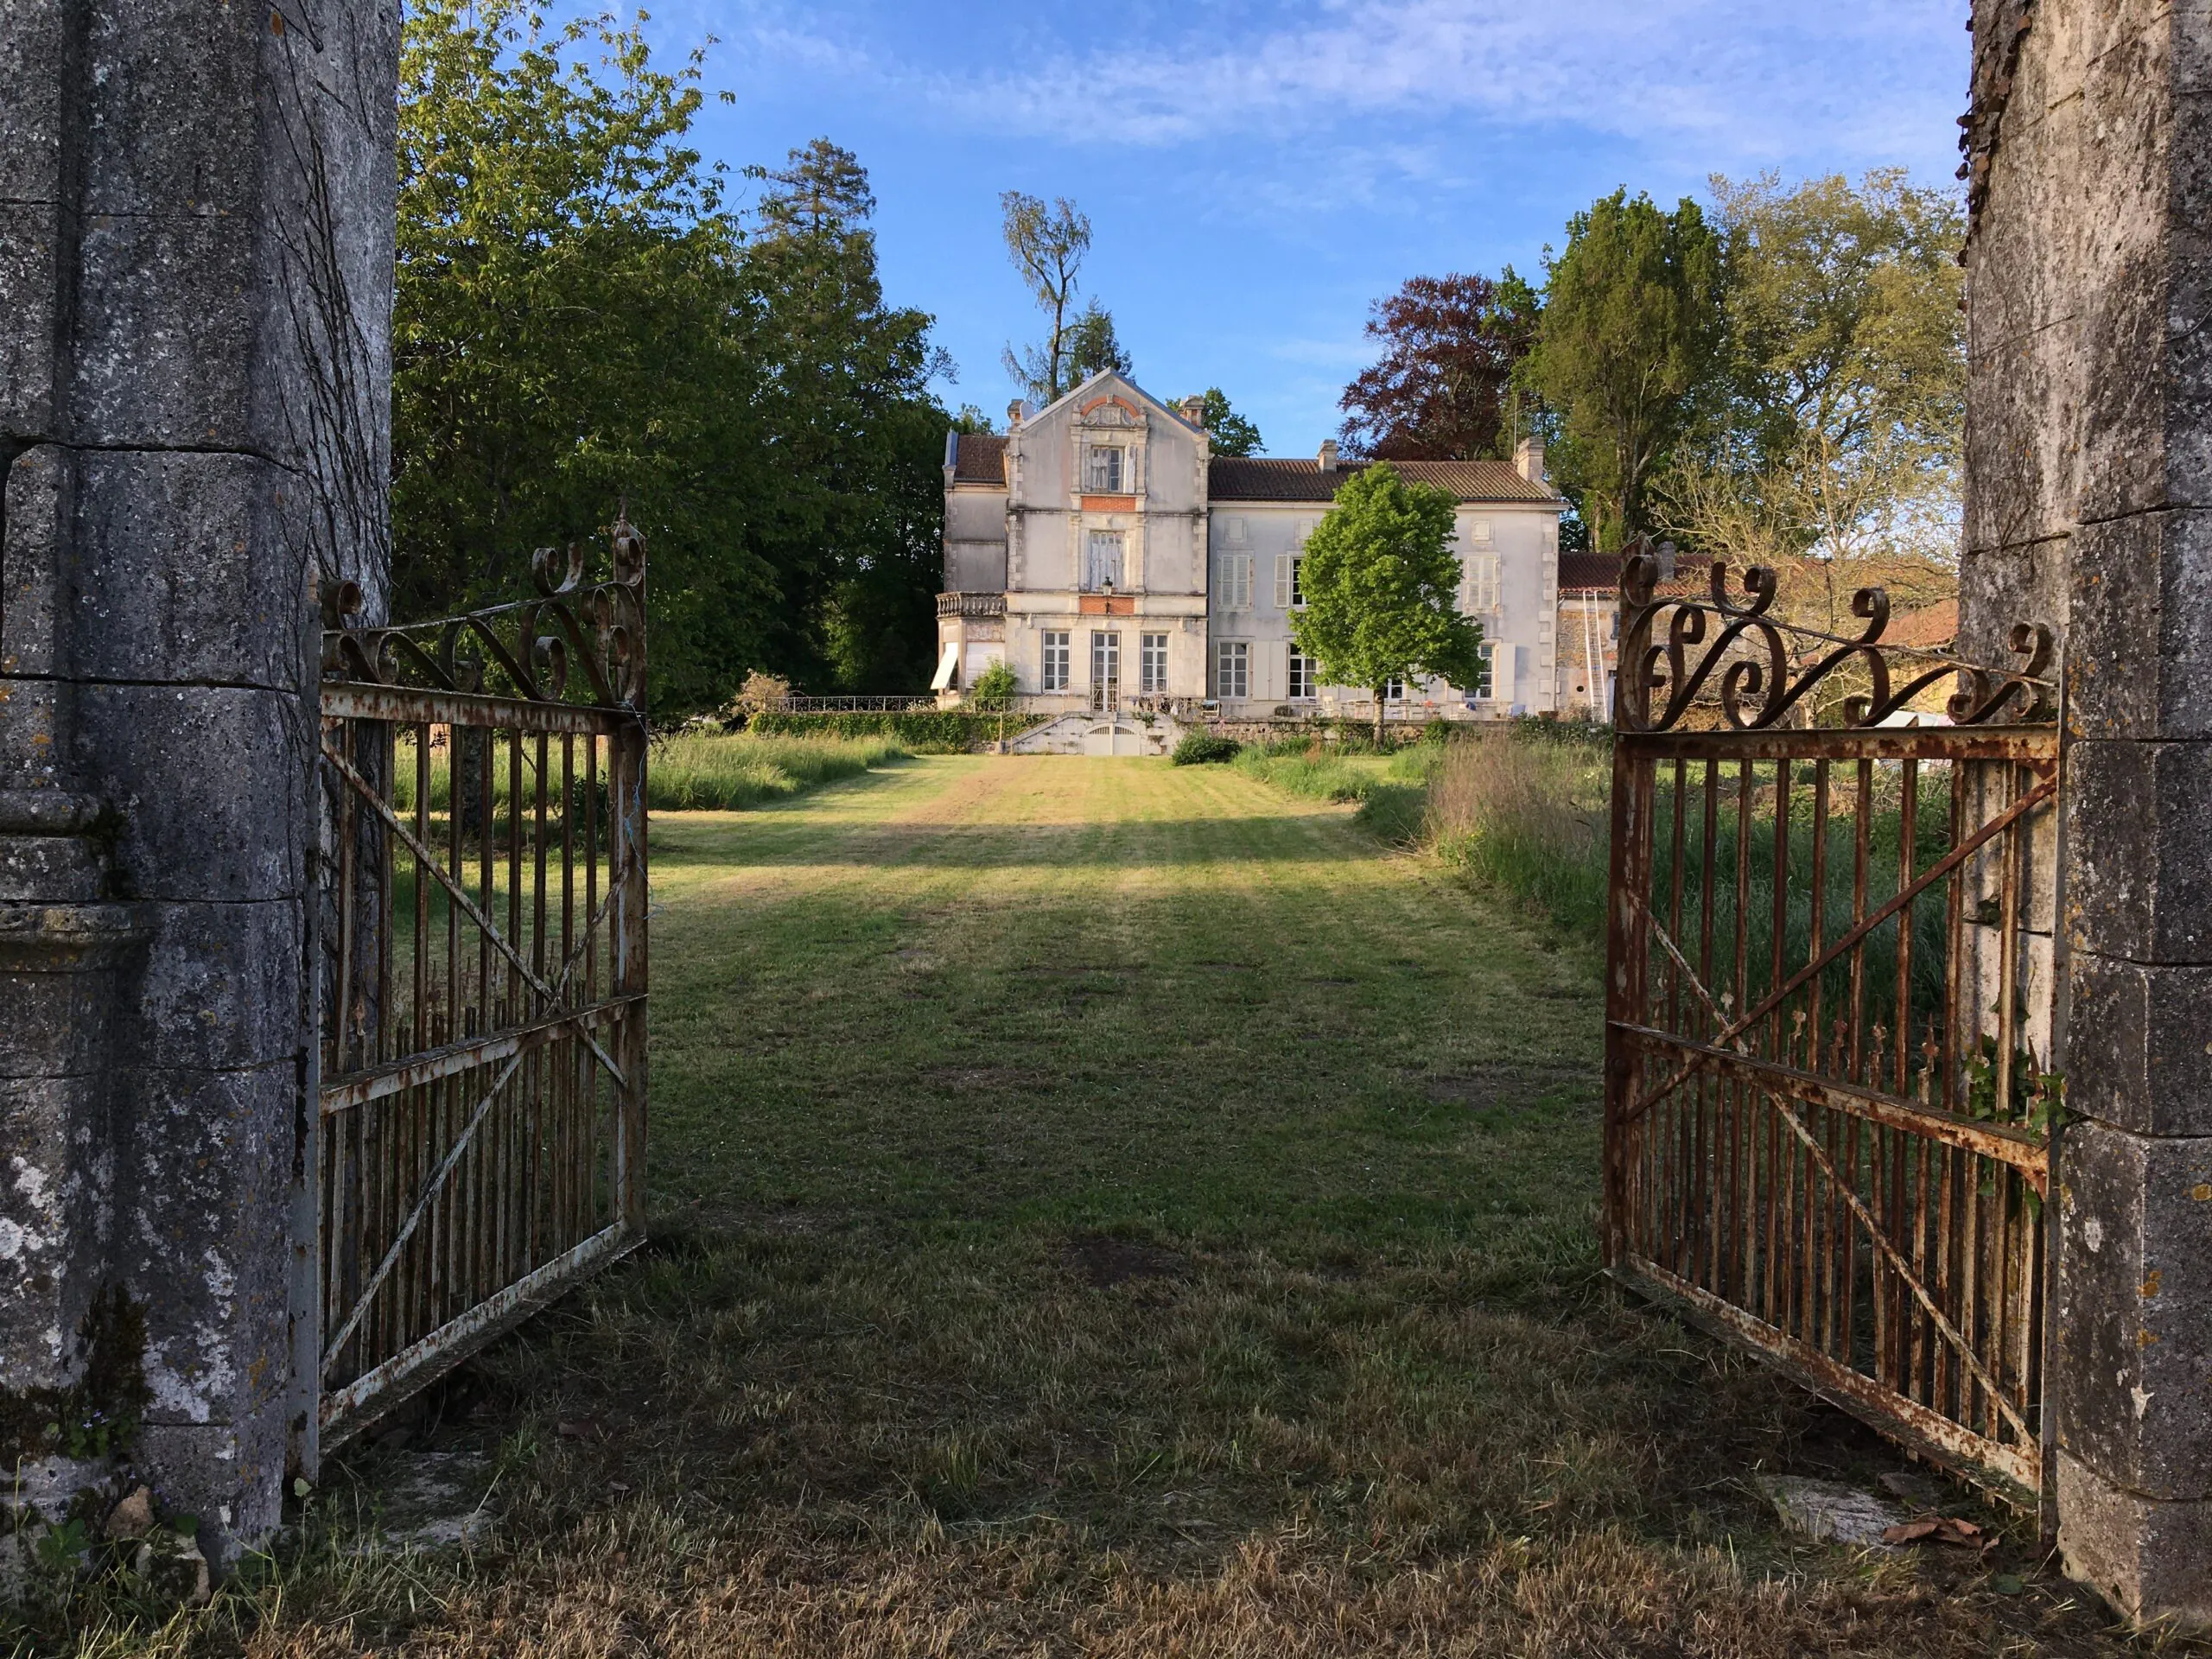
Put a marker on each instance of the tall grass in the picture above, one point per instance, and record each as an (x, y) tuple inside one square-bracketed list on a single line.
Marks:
[(705, 772), (1527, 814), (1388, 788), (730, 773)]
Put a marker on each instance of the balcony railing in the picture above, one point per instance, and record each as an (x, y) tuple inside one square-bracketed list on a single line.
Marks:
[(971, 604)]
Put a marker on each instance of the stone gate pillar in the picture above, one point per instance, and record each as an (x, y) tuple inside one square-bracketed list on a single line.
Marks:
[(2089, 505), (196, 283)]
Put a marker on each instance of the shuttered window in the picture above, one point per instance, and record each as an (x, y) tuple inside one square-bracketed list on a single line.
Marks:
[(1302, 676), (1236, 581), (1288, 597)]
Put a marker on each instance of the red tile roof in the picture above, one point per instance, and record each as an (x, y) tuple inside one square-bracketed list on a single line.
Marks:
[(1600, 572), (1934, 627), (1234, 477), (980, 459)]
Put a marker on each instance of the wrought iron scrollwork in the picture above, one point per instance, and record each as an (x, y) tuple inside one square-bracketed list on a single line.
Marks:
[(574, 641), (1766, 667)]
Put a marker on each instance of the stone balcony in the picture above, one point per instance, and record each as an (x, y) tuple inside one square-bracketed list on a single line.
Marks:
[(971, 604)]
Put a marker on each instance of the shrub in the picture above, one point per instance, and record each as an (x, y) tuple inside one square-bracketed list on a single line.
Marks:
[(994, 690), (930, 731), (759, 694), (1205, 749)]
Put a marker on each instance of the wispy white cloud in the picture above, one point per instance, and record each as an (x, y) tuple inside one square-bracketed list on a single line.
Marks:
[(1750, 79), (1741, 83)]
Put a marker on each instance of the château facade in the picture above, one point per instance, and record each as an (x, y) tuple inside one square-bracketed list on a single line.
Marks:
[(1104, 553)]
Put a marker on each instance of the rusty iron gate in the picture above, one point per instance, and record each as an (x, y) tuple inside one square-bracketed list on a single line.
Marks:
[(480, 972), (1831, 1022)]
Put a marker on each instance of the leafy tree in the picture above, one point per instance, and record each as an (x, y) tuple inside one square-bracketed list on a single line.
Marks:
[(1093, 346), (850, 519), (569, 316), (1231, 433), (1380, 583), (970, 418), (1839, 463), (1630, 352), (1443, 389), (1048, 244), (581, 320)]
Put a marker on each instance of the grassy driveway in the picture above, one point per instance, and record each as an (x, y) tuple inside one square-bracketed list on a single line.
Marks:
[(1105, 1208)]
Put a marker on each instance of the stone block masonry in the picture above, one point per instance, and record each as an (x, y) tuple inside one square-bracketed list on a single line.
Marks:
[(196, 223), (2089, 507)]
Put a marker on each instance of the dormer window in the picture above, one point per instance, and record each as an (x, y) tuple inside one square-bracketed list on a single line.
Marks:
[(1106, 469)]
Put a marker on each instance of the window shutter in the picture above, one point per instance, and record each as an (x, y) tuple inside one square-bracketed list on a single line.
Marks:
[(1282, 581), (1244, 583)]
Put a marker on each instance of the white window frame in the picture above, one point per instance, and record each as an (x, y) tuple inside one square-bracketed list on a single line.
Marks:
[(1106, 657), (1093, 542), (1053, 676), (1302, 675), (1152, 664), (1289, 596), (1484, 688), (1393, 688), (1232, 669)]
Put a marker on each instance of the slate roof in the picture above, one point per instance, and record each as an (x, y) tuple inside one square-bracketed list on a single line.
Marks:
[(1233, 478), (979, 459)]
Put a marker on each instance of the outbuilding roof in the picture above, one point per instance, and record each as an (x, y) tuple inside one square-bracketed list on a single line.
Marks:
[(1600, 572), (979, 458), (1237, 477)]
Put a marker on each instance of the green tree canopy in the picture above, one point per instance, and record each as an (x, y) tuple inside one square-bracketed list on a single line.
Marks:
[(1380, 586), (1093, 346), (1629, 355), (1838, 462), (583, 319), (1231, 433)]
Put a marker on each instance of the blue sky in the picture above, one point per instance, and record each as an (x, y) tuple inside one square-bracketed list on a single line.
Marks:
[(1257, 175)]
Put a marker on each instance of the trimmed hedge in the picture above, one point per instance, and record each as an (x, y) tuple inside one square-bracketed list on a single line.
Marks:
[(932, 731), (1205, 749)]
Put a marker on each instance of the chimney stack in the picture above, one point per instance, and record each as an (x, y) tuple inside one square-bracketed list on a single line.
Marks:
[(1328, 455), (1194, 411), (1013, 412), (1528, 459)]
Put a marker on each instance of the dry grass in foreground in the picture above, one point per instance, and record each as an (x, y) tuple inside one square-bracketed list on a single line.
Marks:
[(1110, 1209)]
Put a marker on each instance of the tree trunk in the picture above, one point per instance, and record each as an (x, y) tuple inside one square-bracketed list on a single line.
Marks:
[(1380, 691)]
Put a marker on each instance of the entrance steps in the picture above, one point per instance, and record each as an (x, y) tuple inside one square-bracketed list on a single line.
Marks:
[(1096, 732)]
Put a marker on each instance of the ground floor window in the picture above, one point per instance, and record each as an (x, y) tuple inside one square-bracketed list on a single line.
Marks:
[(1393, 690), (1152, 663), (1105, 659), (1302, 675), (1232, 675), (1055, 675), (1484, 685)]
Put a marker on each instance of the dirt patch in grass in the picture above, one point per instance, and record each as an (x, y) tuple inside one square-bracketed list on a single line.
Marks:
[(1104, 1261)]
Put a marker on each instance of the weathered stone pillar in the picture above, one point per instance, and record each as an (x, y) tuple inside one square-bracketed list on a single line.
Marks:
[(2089, 505), (195, 280)]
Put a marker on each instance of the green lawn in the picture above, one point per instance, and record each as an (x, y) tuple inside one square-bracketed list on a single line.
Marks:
[(1110, 1208)]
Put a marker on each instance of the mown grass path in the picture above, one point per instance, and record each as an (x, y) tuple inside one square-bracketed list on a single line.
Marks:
[(1103, 1208)]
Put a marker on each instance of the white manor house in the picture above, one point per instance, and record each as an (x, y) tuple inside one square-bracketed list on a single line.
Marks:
[(1102, 550)]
